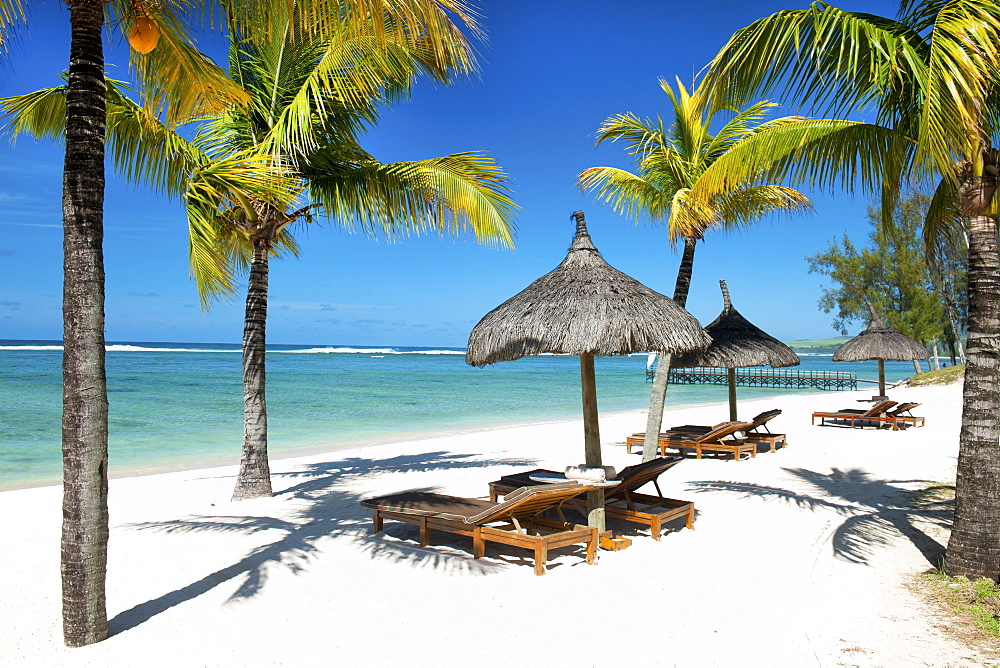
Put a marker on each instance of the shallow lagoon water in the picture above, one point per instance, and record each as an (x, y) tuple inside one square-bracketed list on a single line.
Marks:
[(179, 405)]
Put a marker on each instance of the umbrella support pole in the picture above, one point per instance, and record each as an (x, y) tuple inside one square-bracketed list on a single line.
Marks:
[(881, 378), (591, 438), (731, 373), (595, 509)]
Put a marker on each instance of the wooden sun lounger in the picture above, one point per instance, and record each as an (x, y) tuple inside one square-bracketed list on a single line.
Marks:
[(901, 413), (856, 417), (622, 501), (711, 441), (909, 418), (752, 434), (515, 521)]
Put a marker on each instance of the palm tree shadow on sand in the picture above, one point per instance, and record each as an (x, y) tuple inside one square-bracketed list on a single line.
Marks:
[(876, 511), (322, 507)]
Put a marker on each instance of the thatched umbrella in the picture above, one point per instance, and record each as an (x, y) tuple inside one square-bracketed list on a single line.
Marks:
[(736, 342), (880, 342), (584, 307)]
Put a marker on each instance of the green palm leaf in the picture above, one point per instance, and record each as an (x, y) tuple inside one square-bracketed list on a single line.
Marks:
[(447, 195), (691, 179), (11, 11), (177, 81)]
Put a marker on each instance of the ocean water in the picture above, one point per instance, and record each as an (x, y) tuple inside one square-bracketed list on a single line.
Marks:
[(180, 405)]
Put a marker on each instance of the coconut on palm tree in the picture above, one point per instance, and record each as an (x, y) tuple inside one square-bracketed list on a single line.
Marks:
[(932, 74), (674, 181)]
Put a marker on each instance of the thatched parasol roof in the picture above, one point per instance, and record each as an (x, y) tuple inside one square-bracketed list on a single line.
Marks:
[(584, 306), (736, 342), (880, 342)]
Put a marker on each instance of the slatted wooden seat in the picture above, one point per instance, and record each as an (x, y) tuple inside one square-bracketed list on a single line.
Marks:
[(712, 441), (860, 418), (903, 413), (900, 414), (515, 521), (622, 501), (752, 434)]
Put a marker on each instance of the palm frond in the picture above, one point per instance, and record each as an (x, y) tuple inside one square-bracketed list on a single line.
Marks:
[(689, 178), (41, 114), (745, 122), (628, 194), (961, 72), (819, 153), (141, 147), (690, 216), (217, 198), (217, 253), (433, 26), (746, 205), (145, 150), (11, 12), (178, 83), (451, 194), (348, 82), (640, 136), (839, 60), (944, 222)]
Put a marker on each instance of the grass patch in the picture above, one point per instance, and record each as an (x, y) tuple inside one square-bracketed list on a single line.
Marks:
[(977, 602), (946, 376), (934, 494)]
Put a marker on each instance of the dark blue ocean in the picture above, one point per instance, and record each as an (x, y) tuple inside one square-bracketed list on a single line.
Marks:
[(179, 405)]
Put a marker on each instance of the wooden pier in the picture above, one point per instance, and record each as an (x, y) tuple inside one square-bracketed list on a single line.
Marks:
[(765, 377)]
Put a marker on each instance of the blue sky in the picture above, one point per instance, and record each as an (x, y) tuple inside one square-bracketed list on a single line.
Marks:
[(551, 72)]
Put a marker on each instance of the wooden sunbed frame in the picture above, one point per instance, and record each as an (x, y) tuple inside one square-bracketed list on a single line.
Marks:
[(909, 418), (897, 413), (623, 501), (751, 434), (877, 413), (711, 441), (515, 521)]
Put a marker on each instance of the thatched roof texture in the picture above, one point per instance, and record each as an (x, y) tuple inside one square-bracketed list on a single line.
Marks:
[(736, 342), (584, 306), (880, 342)]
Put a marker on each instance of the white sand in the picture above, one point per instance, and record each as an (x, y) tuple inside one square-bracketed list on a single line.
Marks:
[(818, 579)]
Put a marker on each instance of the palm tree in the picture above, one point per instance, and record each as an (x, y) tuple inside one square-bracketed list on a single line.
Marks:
[(933, 76), (308, 99), (676, 166), (297, 115), (85, 403), (177, 81)]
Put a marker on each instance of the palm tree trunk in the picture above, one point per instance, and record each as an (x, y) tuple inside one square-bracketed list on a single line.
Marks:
[(255, 473), (84, 547), (974, 546), (684, 272), (654, 418)]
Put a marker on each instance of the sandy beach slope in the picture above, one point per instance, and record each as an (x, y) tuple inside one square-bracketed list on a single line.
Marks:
[(798, 558)]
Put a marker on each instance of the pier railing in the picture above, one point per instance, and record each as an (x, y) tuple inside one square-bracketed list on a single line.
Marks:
[(761, 377)]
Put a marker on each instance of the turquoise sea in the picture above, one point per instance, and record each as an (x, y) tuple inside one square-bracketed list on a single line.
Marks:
[(179, 405)]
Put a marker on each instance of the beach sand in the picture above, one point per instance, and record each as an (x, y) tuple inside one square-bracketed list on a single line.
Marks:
[(798, 558)]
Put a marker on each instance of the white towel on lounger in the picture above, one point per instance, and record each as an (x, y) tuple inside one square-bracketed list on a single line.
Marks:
[(590, 474)]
